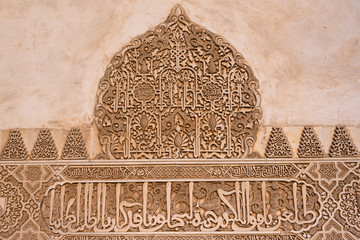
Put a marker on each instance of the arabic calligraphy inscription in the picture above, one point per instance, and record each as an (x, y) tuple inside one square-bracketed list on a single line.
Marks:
[(240, 206)]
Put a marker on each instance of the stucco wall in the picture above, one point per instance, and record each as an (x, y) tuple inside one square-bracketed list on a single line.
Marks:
[(305, 54)]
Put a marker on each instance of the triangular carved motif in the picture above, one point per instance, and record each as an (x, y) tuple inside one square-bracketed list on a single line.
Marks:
[(14, 147), (74, 146), (278, 145), (310, 145), (44, 147), (342, 144)]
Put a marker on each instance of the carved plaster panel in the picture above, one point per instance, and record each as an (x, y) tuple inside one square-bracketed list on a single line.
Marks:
[(278, 145), (178, 113), (310, 145), (74, 146), (177, 91), (14, 148), (342, 144), (292, 200), (44, 147)]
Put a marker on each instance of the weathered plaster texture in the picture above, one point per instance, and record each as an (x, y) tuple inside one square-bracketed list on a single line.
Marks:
[(305, 54)]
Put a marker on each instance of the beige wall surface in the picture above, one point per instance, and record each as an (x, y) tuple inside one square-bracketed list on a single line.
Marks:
[(305, 54)]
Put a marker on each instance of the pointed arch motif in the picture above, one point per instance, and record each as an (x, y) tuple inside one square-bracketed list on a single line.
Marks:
[(177, 91)]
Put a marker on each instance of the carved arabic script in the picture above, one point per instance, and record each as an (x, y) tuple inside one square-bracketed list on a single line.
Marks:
[(186, 237), (181, 206), (168, 172)]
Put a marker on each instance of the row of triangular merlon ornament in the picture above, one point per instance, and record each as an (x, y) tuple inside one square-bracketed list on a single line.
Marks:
[(310, 146), (277, 147), (44, 147)]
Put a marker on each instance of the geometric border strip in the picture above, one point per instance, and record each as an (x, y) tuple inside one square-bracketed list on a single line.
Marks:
[(277, 147), (186, 237)]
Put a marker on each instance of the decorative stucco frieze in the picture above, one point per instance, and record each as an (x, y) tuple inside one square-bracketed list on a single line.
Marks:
[(177, 115), (301, 200)]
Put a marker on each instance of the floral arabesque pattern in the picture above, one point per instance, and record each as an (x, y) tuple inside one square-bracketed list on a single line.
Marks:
[(177, 91)]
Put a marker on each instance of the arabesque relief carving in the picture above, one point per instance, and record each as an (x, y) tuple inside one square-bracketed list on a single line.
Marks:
[(273, 200), (74, 146), (178, 91), (184, 99), (310, 145), (44, 147), (278, 145), (342, 144), (10, 206), (14, 148)]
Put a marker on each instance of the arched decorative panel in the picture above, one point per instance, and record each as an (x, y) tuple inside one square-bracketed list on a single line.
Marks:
[(178, 91)]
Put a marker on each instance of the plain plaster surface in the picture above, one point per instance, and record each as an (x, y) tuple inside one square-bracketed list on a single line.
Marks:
[(306, 55)]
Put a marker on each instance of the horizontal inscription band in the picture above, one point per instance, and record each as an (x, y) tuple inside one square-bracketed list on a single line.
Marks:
[(78, 201)]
